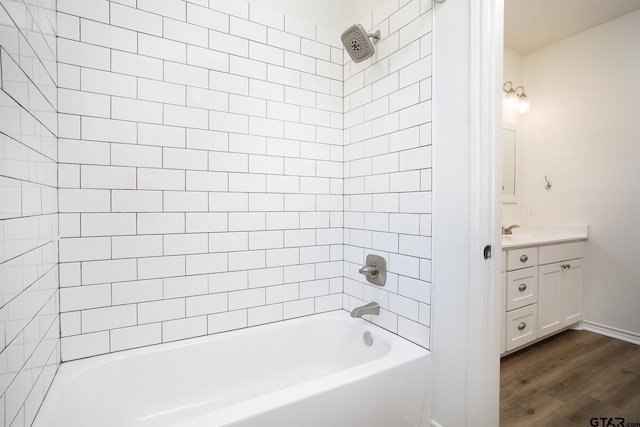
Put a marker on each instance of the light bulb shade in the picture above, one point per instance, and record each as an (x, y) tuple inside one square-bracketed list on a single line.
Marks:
[(511, 99), (523, 104)]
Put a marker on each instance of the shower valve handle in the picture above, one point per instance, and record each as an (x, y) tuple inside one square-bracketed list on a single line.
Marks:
[(375, 270), (370, 270)]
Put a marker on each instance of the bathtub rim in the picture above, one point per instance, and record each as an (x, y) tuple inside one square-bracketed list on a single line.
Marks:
[(339, 314), (401, 351)]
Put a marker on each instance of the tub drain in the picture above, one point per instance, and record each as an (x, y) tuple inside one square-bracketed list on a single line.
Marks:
[(367, 338)]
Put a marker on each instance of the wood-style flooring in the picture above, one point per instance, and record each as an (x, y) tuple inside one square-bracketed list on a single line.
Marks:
[(570, 378)]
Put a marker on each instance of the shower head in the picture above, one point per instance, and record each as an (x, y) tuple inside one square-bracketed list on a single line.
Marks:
[(357, 42)]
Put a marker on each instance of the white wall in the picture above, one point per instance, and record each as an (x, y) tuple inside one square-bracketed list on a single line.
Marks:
[(467, 81), (582, 133), (29, 327)]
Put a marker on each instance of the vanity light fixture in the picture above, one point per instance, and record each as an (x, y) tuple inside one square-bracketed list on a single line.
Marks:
[(514, 100), (523, 103), (510, 97)]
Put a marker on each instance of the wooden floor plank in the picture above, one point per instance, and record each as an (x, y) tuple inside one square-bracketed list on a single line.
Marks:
[(528, 408), (578, 411), (619, 383), (568, 379)]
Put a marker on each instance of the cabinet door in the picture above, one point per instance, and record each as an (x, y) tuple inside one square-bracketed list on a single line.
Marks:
[(572, 291), (550, 293)]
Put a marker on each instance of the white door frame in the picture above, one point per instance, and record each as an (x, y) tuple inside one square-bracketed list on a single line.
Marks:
[(467, 74)]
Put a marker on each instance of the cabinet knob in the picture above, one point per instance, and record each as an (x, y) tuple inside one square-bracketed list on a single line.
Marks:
[(522, 287), (524, 258), (566, 266), (521, 326)]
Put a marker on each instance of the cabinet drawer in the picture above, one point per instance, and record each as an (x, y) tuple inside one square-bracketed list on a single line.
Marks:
[(522, 258), (562, 252), (521, 326), (522, 288)]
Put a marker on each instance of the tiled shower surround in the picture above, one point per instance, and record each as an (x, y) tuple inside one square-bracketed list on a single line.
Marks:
[(201, 173), (387, 160), (29, 326), (220, 165)]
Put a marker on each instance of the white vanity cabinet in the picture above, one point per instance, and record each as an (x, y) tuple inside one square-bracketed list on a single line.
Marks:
[(542, 291), (560, 286)]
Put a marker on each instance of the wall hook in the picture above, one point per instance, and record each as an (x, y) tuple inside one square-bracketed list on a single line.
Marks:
[(548, 186)]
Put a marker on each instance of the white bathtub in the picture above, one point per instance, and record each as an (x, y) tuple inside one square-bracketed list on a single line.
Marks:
[(312, 371)]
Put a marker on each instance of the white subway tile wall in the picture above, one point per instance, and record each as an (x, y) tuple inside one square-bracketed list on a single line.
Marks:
[(220, 166), (201, 170), (387, 169), (29, 311)]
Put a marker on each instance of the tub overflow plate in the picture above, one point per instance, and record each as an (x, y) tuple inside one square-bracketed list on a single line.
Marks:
[(367, 338)]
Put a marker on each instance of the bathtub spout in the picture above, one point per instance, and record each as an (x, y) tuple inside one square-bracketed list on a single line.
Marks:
[(371, 308)]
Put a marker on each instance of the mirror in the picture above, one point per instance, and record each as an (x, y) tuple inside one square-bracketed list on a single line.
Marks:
[(510, 137)]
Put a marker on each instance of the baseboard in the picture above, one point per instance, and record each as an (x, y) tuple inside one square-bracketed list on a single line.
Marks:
[(609, 331)]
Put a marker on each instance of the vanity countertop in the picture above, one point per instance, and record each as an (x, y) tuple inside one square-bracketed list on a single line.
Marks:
[(530, 235)]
